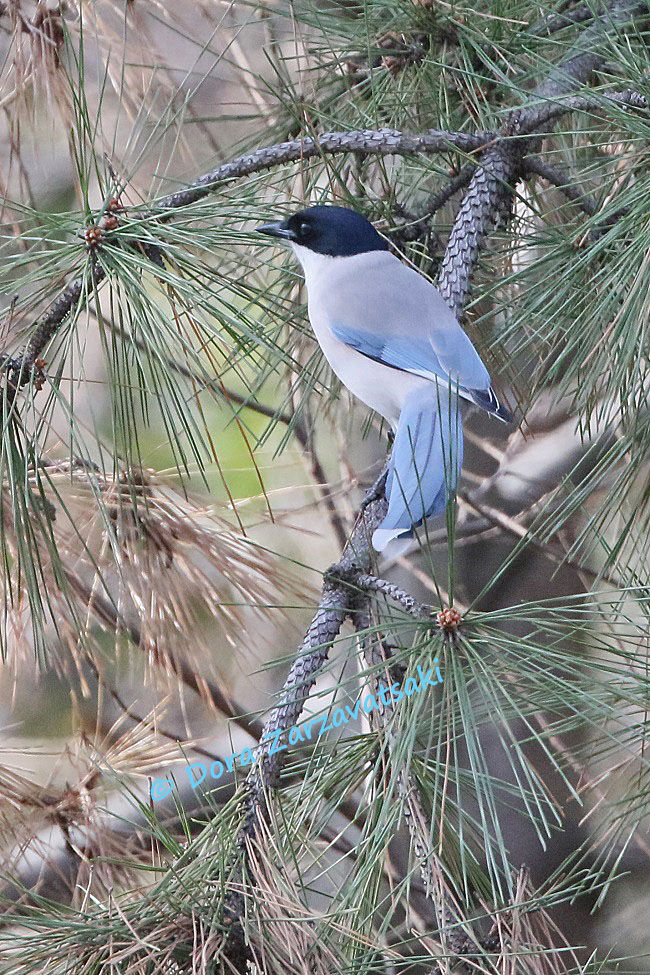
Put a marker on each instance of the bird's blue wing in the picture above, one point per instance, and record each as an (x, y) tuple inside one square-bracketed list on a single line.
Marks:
[(418, 357), (410, 355)]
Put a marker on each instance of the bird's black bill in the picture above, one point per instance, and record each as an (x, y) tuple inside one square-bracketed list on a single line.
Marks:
[(277, 229)]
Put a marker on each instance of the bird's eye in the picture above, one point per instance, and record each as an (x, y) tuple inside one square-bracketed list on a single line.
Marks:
[(303, 228)]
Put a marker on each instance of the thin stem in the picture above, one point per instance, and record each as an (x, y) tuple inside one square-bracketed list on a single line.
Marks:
[(364, 142), (204, 687), (508, 524), (558, 177), (299, 428)]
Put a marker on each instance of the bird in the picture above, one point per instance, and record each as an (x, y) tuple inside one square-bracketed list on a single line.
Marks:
[(392, 340)]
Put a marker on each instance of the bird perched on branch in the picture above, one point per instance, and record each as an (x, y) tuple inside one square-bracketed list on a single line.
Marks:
[(391, 339)]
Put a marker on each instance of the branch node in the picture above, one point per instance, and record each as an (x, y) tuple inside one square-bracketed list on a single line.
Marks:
[(340, 574), (20, 370), (93, 236), (448, 619)]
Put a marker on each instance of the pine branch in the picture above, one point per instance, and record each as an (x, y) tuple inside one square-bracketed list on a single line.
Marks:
[(338, 601), (489, 193), (486, 204), (489, 197), (557, 22), (104, 610), (365, 142), (558, 177), (550, 113), (246, 402)]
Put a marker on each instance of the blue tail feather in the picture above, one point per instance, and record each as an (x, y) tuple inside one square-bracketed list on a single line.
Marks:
[(425, 462)]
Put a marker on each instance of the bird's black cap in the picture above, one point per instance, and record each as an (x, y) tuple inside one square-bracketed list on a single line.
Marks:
[(335, 231)]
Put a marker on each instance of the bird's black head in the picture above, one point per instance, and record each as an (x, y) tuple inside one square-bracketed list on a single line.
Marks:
[(335, 231)]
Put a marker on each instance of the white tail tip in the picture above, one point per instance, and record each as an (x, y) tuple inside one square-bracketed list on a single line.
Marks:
[(382, 537)]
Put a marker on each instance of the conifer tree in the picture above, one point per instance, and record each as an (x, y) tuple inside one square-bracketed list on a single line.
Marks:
[(183, 486)]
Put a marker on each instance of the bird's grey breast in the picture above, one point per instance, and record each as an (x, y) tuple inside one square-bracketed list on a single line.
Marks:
[(361, 292)]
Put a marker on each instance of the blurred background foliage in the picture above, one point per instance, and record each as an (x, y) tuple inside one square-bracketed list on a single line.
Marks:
[(184, 468)]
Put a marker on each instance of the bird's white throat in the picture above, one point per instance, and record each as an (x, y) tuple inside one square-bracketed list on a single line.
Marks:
[(313, 263)]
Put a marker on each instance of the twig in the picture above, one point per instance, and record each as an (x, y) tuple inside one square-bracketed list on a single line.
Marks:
[(551, 112), (455, 185), (364, 142), (320, 479), (138, 719), (510, 525), (369, 583), (558, 177), (299, 429), (20, 368), (551, 25), (420, 225), (105, 611), (206, 383)]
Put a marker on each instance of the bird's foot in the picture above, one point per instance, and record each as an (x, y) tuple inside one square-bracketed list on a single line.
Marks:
[(376, 491), (341, 573)]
